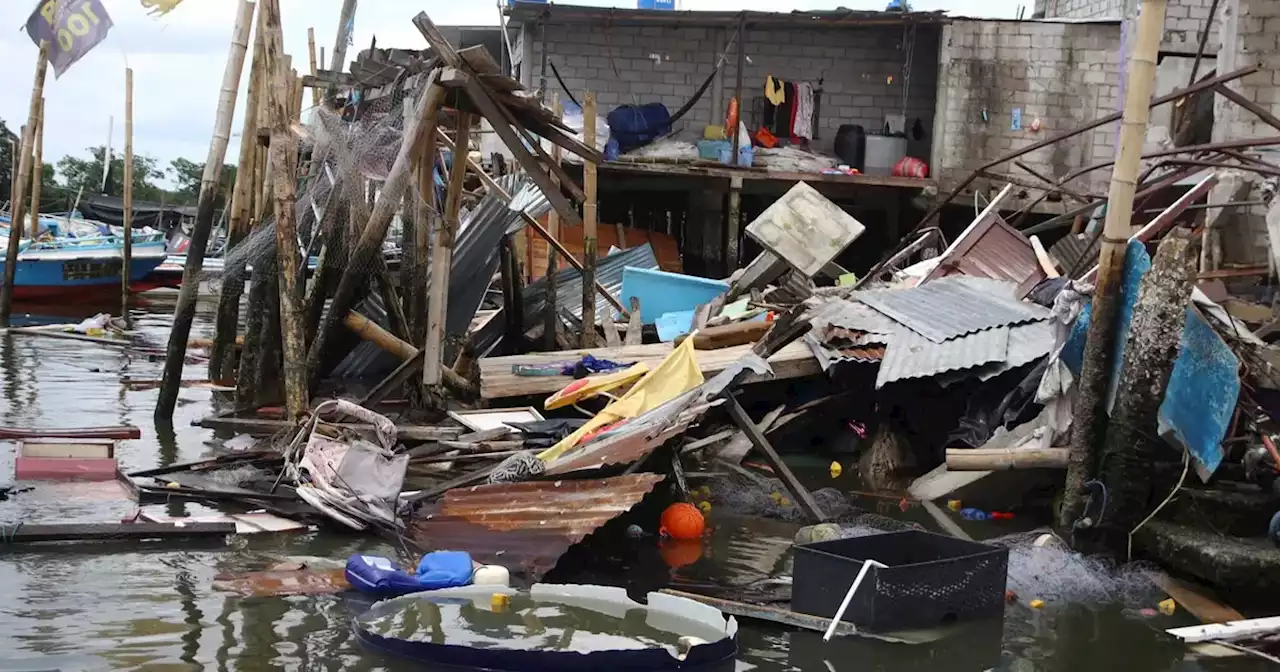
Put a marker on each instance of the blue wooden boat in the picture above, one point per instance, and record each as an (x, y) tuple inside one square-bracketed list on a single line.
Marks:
[(80, 268)]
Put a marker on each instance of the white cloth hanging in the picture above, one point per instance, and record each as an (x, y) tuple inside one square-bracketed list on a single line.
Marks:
[(804, 111)]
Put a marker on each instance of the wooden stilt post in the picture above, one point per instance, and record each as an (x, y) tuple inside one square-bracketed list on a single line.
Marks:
[(442, 256), (239, 222), (346, 21), (552, 317), (425, 220), (311, 54), (17, 213), (37, 170), (1090, 421), (185, 311), (282, 108), (735, 224), (589, 222), (127, 251)]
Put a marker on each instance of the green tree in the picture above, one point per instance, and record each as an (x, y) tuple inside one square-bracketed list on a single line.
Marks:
[(86, 173), (188, 174), (8, 142)]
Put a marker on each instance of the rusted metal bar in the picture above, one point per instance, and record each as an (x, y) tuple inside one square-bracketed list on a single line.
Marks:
[(1057, 187), (1235, 97)]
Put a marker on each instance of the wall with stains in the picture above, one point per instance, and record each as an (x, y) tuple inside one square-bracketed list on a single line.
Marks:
[(1062, 74), (1184, 20)]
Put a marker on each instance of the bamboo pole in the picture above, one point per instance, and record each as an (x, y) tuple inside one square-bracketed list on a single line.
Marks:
[(425, 220), (283, 99), (127, 251), (37, 170), (184, 313), (1005, 459), (20, 187), (346, 20), (239, 222), (1090, 421), (552, 316), (311, 56), (442, 256), (590, 179)]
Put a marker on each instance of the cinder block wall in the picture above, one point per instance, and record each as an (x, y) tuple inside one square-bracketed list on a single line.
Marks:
[(1183, 23), (1250, 35), (861, 68), (1064, 74)]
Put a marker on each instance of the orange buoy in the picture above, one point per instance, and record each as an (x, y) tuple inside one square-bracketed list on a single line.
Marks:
[(682, 521)]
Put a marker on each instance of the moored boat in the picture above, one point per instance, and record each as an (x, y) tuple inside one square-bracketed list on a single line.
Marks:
[(69, 268)]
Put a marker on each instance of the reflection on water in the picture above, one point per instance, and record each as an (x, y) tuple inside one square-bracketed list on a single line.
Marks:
[(152, 608)]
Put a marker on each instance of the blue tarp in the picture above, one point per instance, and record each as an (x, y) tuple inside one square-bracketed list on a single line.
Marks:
[(1205, 385)]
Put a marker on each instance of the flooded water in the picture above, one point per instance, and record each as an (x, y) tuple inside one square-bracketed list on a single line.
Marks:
[(131, 607)]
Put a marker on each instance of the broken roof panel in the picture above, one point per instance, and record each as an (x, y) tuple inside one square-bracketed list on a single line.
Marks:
[(1027, 343), (839, 312), (528, 526), (911, 355), (992, 249), (952, 307), (836, 351)]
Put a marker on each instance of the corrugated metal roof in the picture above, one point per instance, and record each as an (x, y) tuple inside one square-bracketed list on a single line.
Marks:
[(951, 307), (475, 260), (1074, 246), (992, 249), (840, 312), (828, 354), (526, 527), (911, 355), (1027, 343)]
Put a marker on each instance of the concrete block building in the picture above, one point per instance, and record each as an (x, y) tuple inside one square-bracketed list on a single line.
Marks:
[(970, 90)]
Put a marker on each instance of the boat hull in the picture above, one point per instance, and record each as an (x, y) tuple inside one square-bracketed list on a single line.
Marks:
[(87, 277)]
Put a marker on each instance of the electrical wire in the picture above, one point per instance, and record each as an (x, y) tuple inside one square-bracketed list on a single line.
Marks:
[(1186, 468)]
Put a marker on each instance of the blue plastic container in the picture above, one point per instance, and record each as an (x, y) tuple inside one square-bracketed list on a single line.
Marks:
[(668, 5), (713, 150), (746, 154), (661, 293)]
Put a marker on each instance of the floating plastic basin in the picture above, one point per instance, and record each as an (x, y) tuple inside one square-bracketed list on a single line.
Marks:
[(551, 627)]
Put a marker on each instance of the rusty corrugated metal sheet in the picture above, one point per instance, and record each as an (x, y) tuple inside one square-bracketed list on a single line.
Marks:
[(526, 527), (993, 249)]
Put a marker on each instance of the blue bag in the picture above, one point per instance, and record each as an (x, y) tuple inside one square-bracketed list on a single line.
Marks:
[(379, 577), (636, 126), (444, 569)]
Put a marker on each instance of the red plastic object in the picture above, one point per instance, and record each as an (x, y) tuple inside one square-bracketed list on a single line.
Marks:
[(996, 515), (683, 522), (910, 166)]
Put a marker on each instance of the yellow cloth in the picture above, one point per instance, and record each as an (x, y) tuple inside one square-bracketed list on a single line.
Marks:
[(775, 90), (577, 390), (677, 374), (160, 7)]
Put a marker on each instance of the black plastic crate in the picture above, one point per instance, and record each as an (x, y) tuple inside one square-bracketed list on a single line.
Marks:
[(930, 580)]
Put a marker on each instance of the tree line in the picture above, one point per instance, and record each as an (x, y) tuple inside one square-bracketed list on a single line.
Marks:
[(72, 176)]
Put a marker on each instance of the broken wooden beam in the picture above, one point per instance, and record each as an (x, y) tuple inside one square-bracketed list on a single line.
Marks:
[(804, 500), (28, 533), (1006, 459)]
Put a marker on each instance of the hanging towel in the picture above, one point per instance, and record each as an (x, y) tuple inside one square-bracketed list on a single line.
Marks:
[(774, 90), (804, 112)]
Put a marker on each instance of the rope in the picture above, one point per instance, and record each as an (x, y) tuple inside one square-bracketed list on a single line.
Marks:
[(1186, 467)]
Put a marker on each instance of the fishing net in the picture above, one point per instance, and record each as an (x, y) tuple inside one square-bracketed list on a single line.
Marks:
[(769, 498), (1050, 571)]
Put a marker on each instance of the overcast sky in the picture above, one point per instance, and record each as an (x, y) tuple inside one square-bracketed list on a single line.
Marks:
[(178, 61)]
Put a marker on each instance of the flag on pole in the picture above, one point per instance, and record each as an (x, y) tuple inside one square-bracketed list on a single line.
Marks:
[(160, 7), (71, 27)]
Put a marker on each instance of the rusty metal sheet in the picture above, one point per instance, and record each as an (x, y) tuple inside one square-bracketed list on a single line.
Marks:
[(526, 527), (992, 249), (282, 582)]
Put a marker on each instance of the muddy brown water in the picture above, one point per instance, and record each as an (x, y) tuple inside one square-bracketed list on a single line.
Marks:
[(152, 607)]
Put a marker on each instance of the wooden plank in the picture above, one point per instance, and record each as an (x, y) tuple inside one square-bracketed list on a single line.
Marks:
[(26, 533), (442, 257), (1234, 630), (264, 427), (635, 328), (1197, 600), (747, 174), (804, 500), (121, 433), (480, 60), (1001, 459), (497, 380)]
